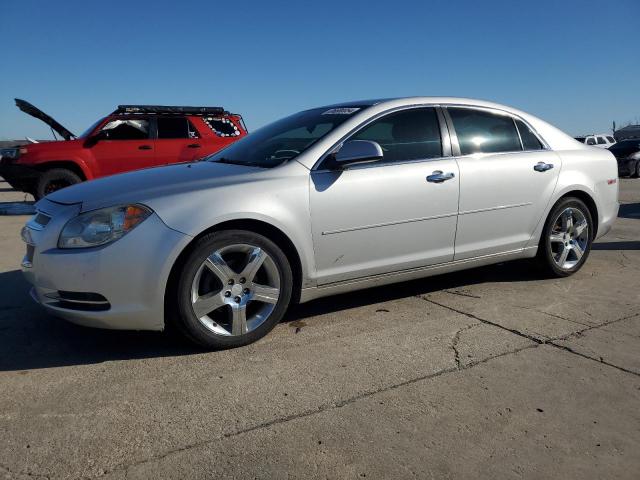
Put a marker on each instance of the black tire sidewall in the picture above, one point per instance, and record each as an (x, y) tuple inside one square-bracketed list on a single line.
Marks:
[(53, 175), (205, 246), (545, 243)]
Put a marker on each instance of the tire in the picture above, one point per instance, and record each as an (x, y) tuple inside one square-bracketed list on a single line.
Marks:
[(554, 241), (637, 171), (55, 179), (213, 276)]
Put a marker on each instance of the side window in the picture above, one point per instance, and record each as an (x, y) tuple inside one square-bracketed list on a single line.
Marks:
[(126, 129), (591, 141), (529, 139), (611, 140), (479, 131), (222, 127), (601, 141), (406, 135), (176, 127)]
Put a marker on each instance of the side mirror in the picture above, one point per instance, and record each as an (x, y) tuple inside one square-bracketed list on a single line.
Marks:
[(93, 139), (358, 151)]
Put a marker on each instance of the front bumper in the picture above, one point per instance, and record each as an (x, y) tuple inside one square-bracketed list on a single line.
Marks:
[(20, 177), (130, 273)]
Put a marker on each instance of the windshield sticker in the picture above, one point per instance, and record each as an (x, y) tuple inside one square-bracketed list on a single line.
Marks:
[(341, 111)]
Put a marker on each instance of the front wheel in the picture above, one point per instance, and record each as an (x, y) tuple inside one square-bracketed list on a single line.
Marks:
[(234, 287), (55, 179), (566, 238)]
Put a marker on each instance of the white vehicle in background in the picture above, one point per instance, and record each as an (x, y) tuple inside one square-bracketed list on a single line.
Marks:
[(600, 140)]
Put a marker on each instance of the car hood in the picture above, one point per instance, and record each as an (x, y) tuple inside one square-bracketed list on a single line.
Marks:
[(29, 109), (160, 183)]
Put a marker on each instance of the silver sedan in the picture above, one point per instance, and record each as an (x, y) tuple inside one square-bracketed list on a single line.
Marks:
[(325, 201)]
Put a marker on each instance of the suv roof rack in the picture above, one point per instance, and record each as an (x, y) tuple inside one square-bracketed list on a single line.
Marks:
[(169, 110)]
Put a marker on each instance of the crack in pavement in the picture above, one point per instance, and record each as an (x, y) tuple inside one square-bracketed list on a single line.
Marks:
[(549, 340), (461, 294), (337, 405), (319, 409), (599, 359), (553, 315), (536, 342), (456, 339)]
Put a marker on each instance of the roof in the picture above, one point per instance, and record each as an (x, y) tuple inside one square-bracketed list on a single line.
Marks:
[(169, 110)]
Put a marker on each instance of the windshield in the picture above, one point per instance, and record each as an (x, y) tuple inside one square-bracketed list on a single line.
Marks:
[(90, 129), (285, 139)]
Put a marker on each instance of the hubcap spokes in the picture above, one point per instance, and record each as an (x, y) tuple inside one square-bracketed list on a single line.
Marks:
[(569, 238), (235, 289)]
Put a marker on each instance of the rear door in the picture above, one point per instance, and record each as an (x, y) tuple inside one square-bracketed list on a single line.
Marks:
[(124, 144), (177, 140), (507, 178)]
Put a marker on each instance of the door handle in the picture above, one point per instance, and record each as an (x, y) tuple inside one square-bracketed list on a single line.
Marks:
[(542, 167), (193, 145), (439, 177), (144, 147)]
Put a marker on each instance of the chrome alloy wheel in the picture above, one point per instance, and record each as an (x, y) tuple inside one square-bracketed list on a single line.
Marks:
[(235, 289), (569, 238)]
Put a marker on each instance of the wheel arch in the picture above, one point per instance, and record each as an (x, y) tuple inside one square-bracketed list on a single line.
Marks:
[(588, 201), (270, 231), (71, 165)]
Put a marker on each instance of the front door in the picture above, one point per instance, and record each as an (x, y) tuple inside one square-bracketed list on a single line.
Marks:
[(507, 179), (124, 145), (390, 215)]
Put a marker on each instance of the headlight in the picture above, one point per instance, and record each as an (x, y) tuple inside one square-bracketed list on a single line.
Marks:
[(101, 226), (12, 153)]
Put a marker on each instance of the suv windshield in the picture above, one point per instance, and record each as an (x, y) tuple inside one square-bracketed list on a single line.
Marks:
[(285, 139), (88, 131)]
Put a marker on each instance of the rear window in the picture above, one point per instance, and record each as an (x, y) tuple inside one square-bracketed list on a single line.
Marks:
[(222, 127), (601, 141)]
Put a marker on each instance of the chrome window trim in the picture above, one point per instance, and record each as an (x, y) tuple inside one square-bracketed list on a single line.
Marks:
[(443, 140)]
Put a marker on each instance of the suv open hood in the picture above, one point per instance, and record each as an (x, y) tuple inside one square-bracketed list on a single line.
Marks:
[(29, 109)]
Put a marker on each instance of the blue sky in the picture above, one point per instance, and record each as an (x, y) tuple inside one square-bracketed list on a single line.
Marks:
[(573, 63)]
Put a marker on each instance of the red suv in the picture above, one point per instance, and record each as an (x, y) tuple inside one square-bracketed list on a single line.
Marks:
[(130, 138)]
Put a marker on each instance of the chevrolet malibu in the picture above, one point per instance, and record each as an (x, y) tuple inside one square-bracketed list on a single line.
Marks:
[(326, 201)]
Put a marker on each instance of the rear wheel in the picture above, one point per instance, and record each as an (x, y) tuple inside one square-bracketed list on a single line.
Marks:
[(234, 287), (637, 170), (566, 238), (55, 179)]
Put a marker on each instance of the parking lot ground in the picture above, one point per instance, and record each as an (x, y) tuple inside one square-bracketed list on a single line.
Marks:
[(490, 373)]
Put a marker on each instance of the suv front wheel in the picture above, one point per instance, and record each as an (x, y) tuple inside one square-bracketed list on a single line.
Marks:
[(55, 179)]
